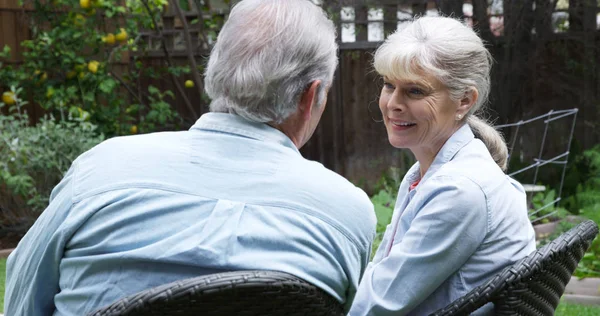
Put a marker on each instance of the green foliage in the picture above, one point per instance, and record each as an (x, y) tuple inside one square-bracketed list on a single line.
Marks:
[(384, 207), (587, 190), (35, 158), (384, 201), (570, 309), (545, 209), (583, 183), (73, 63), (589, 266)]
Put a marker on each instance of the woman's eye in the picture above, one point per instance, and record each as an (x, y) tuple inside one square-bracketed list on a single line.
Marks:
[(388, 85), (416, 91)]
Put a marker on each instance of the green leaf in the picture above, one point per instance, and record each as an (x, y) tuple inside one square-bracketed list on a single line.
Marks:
[(169, 93), (589, 255), (383, 214), (185, 5), (107, 86), (153, 90), (5, 52), (383, 203)]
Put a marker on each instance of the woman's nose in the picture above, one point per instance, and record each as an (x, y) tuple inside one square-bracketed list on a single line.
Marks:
[(395, 102)]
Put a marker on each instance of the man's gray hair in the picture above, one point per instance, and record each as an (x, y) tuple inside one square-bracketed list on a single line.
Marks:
[(266, 56), (452, 52)]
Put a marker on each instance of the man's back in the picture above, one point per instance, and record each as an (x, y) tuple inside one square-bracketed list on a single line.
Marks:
[(140, 211)]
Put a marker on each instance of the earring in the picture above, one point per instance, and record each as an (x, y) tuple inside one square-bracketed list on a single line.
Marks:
[(458, 117)]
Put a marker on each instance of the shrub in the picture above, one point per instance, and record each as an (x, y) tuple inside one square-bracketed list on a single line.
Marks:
[(34, 160)]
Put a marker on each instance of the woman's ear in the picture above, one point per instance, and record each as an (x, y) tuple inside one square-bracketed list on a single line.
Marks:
[(467, 101)]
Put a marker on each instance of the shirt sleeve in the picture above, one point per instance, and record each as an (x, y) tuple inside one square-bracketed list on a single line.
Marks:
[(32, 269), (449, 224)]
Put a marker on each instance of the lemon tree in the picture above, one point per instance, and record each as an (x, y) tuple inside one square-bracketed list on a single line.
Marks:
[(82, 60), (81, 65)]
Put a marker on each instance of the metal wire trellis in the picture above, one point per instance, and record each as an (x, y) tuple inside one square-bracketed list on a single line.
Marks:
[(560, 159)]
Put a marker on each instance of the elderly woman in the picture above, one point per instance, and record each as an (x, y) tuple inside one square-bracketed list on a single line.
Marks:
[(458, 219)]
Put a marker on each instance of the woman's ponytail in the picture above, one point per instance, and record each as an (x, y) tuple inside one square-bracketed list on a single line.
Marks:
[(492, 139)]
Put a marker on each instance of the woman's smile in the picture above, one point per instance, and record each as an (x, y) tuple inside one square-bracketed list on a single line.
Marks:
[(399, 125)]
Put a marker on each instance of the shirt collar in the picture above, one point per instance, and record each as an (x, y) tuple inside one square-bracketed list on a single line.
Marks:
[(456, 142), (235, 124)]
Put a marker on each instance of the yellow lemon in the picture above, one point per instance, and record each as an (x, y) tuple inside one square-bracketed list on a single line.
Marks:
[(39, 76), (9, 98), (71, 74), (85, 4), (121, 36), (79, 19), (133, 129), (93, 66), (189, 84), (109, 39), (81, 75), (49, 92)]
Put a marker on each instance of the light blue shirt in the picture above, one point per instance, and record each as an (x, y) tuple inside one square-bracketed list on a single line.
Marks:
[(463, 223), (140, 211)]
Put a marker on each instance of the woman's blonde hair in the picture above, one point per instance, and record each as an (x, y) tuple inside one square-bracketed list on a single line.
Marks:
[(452, 52)]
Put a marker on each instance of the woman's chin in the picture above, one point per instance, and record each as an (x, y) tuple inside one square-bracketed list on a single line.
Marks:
[(399, 143)]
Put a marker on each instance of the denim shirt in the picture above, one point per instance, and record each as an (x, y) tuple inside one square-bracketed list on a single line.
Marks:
[(464, 222), (140, 211)]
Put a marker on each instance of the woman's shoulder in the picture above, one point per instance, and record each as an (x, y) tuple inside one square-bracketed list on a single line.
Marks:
[(475, 163)]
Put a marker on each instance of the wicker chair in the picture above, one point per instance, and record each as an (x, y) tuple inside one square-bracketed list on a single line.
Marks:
[(243, 293), (533, 285)]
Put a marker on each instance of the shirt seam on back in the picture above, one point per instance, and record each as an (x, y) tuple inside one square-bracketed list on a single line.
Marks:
[(155, 186)]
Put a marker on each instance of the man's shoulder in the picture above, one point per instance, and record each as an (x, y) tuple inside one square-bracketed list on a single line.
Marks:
[(329, 183), (124, 158), (121, 148), (330, 193), (141, 141)]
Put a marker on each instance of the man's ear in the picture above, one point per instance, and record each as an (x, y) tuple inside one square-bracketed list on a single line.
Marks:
[(467, 102), (308, 98)]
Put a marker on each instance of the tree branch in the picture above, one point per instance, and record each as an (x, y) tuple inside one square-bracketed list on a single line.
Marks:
[(201, 21), (126, 86), (188, 48), (169, 59)]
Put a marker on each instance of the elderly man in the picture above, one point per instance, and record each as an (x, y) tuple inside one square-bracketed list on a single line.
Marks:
[(231, 193)]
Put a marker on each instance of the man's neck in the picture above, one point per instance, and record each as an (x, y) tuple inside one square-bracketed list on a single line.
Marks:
[(290, 130)]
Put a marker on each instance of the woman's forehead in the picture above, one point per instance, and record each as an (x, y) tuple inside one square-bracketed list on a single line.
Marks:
[(416, 79)]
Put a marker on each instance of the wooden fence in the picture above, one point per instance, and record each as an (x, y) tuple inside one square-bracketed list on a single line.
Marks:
[(538, 67), (536, 70)]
